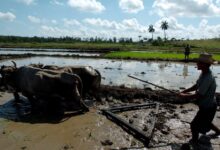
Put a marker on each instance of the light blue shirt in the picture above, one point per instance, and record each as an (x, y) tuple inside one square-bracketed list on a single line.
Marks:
[(206, 86)]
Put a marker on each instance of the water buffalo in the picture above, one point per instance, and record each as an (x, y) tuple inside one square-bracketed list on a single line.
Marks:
[(39, 65), (38, 83), (91, 78)]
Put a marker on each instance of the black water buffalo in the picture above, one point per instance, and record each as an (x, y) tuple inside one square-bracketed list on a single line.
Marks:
[(91, 78), (38, 83)]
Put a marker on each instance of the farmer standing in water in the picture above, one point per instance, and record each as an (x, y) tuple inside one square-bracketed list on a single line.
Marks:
[(205, 95)]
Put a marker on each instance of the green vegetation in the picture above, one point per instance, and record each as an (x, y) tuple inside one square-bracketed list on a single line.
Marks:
[(77, 45), (212, 46), (208, 44), (120, 44), (154, 55)]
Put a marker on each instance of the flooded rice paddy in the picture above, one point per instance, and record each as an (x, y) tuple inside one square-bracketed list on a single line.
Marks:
[(92, 130), (51, 52), (172, 75)]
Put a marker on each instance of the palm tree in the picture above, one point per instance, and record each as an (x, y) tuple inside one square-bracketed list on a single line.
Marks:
[(139, 38), (164, 26), (151, 30)]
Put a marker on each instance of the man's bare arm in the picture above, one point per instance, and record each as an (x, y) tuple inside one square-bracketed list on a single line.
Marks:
[(193, 88)]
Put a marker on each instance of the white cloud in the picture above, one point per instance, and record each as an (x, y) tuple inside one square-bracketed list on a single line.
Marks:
[(49, 28), (8, 16), (218, 2), (175, 29), (27, 2), (87, 5), (203, 24), (34, 19), (54, 21), (54, 31), (186, 8), (172, 23), (178, 30), (103, 23), (37, 20), (133, 24), (131, 6), (57, 2), (71, 22), (91, 27), (207, 31), (126, 24)]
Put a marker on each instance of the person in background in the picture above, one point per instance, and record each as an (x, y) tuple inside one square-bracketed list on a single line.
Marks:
[(187, 52), (205, 98)]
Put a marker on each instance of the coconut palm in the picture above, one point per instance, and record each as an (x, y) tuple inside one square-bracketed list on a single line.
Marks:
[(164, 26), (139, 38), (151, 30)]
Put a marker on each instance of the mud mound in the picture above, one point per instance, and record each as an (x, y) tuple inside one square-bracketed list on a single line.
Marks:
[(129, 94)]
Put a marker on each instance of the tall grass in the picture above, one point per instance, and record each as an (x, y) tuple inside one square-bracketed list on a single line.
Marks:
[(152, 55), (207, 44)]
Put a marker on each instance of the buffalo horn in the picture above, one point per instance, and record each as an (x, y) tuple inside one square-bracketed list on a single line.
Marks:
[(15, 65)]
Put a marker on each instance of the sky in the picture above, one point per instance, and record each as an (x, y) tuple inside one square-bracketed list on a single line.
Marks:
[(187, 19)]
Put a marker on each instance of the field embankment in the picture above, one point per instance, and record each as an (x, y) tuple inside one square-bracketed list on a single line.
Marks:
[(209, 45), (154, 56)]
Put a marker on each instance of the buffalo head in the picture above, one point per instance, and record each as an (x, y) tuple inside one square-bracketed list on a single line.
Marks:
[(8, 75)]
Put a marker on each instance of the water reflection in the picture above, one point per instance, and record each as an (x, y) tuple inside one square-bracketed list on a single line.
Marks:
[(185, 70), (163, 65), (11, 111), (114, 72)]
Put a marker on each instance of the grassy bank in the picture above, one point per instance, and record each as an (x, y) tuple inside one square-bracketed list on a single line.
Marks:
[(153, 55), (79, 45), (89, 46), (208, 44)]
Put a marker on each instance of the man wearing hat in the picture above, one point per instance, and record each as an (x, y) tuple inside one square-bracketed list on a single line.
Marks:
[(205, 95)]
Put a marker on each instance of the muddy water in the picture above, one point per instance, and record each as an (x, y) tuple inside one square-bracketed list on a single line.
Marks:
[(46, 52), (83, 131), (171, 75)]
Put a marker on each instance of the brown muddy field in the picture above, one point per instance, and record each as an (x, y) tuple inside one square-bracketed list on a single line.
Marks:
[(90, 131)]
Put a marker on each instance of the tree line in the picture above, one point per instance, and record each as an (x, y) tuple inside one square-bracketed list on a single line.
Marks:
[(67, 39)]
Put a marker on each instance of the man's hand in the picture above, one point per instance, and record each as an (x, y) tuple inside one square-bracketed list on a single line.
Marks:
[(182, 94), (186, 95)]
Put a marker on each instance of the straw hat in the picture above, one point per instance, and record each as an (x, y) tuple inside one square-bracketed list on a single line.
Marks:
[(206, 58)]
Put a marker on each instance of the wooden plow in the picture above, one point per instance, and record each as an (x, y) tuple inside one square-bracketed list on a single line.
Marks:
[(138, 134)]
